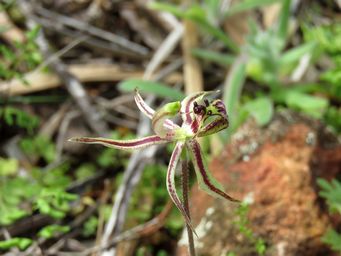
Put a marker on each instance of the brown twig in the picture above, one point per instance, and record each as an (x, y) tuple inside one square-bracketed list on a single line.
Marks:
[(98, 72), (192, 69), (132, 175), (145, 229), (89, 29), (90, 41), (12, 33), (73, 86)]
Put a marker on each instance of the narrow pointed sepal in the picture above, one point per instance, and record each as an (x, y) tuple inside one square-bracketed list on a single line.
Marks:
[(148, 111), (171, 182), (205, 179), (142, 105), (122, 144)]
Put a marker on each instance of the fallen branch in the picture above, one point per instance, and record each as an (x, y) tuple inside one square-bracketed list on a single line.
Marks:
[(73, 86), (39, 81)]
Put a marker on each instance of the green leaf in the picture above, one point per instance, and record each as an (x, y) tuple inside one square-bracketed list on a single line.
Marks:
[(8, 166), (33, 33), (331, 191), (196, 13), (219, 58), (312, 105), (284, 20), (39, 146), (261, 109), (218, 34), (90, 226), (199, 15), (233, 87), (53, 230), (245, 5), (171, 8), (156, 88), (296, 53), (333, 239), (54, 202), (10, 214), (332, 117), (19, 242)]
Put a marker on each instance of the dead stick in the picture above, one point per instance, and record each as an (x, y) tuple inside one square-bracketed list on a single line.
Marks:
[(73, 86), (100, 33), (192, 68), (99, 72)]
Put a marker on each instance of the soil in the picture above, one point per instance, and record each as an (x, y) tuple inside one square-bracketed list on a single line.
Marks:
[(276, 173)]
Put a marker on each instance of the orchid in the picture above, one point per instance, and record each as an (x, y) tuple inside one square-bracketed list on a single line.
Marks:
[(200, 117)]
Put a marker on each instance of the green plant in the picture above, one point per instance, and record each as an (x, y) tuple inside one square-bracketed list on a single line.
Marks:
[(264, 59), (200, 118), (331, 192), (44, 191), (52, 230), (38, 146), (155, 88), (20, 242), (25, 57), (328, 39), (242, 223), (90, 226), (38, 190), (13, 116)]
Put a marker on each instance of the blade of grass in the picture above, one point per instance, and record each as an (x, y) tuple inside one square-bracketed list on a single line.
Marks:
[(248, 5), (232, 90), (219, 58), (156, 88), (284, 20)]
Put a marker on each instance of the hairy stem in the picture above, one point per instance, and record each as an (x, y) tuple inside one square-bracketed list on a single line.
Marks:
[(185, 192)]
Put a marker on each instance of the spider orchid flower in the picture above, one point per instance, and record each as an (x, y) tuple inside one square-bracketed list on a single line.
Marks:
[(199, 118)]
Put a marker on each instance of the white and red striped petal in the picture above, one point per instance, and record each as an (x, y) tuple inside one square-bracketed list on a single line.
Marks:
[(205, 179), (122, 144), (187, 105), (171, 182), (142, 105), (148, 111)]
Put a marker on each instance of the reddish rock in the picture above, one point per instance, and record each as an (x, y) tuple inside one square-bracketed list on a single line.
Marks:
[(277, 168)]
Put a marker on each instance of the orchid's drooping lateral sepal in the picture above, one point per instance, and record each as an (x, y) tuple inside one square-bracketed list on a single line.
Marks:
[(200, 118), (205, 179), (171, 181), (122, 144)]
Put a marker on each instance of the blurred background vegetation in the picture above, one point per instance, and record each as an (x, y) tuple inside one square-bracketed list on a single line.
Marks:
[(265, 57)]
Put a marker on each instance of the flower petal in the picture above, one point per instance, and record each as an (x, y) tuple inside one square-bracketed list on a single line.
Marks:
[(213, 127), (122, 144), (142, 105), (147, 110), (159, 121), (187, 105), (171, 182), (205, 179)]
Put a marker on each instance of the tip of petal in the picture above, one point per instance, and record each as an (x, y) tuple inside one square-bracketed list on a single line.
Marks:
[(75, 139)]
